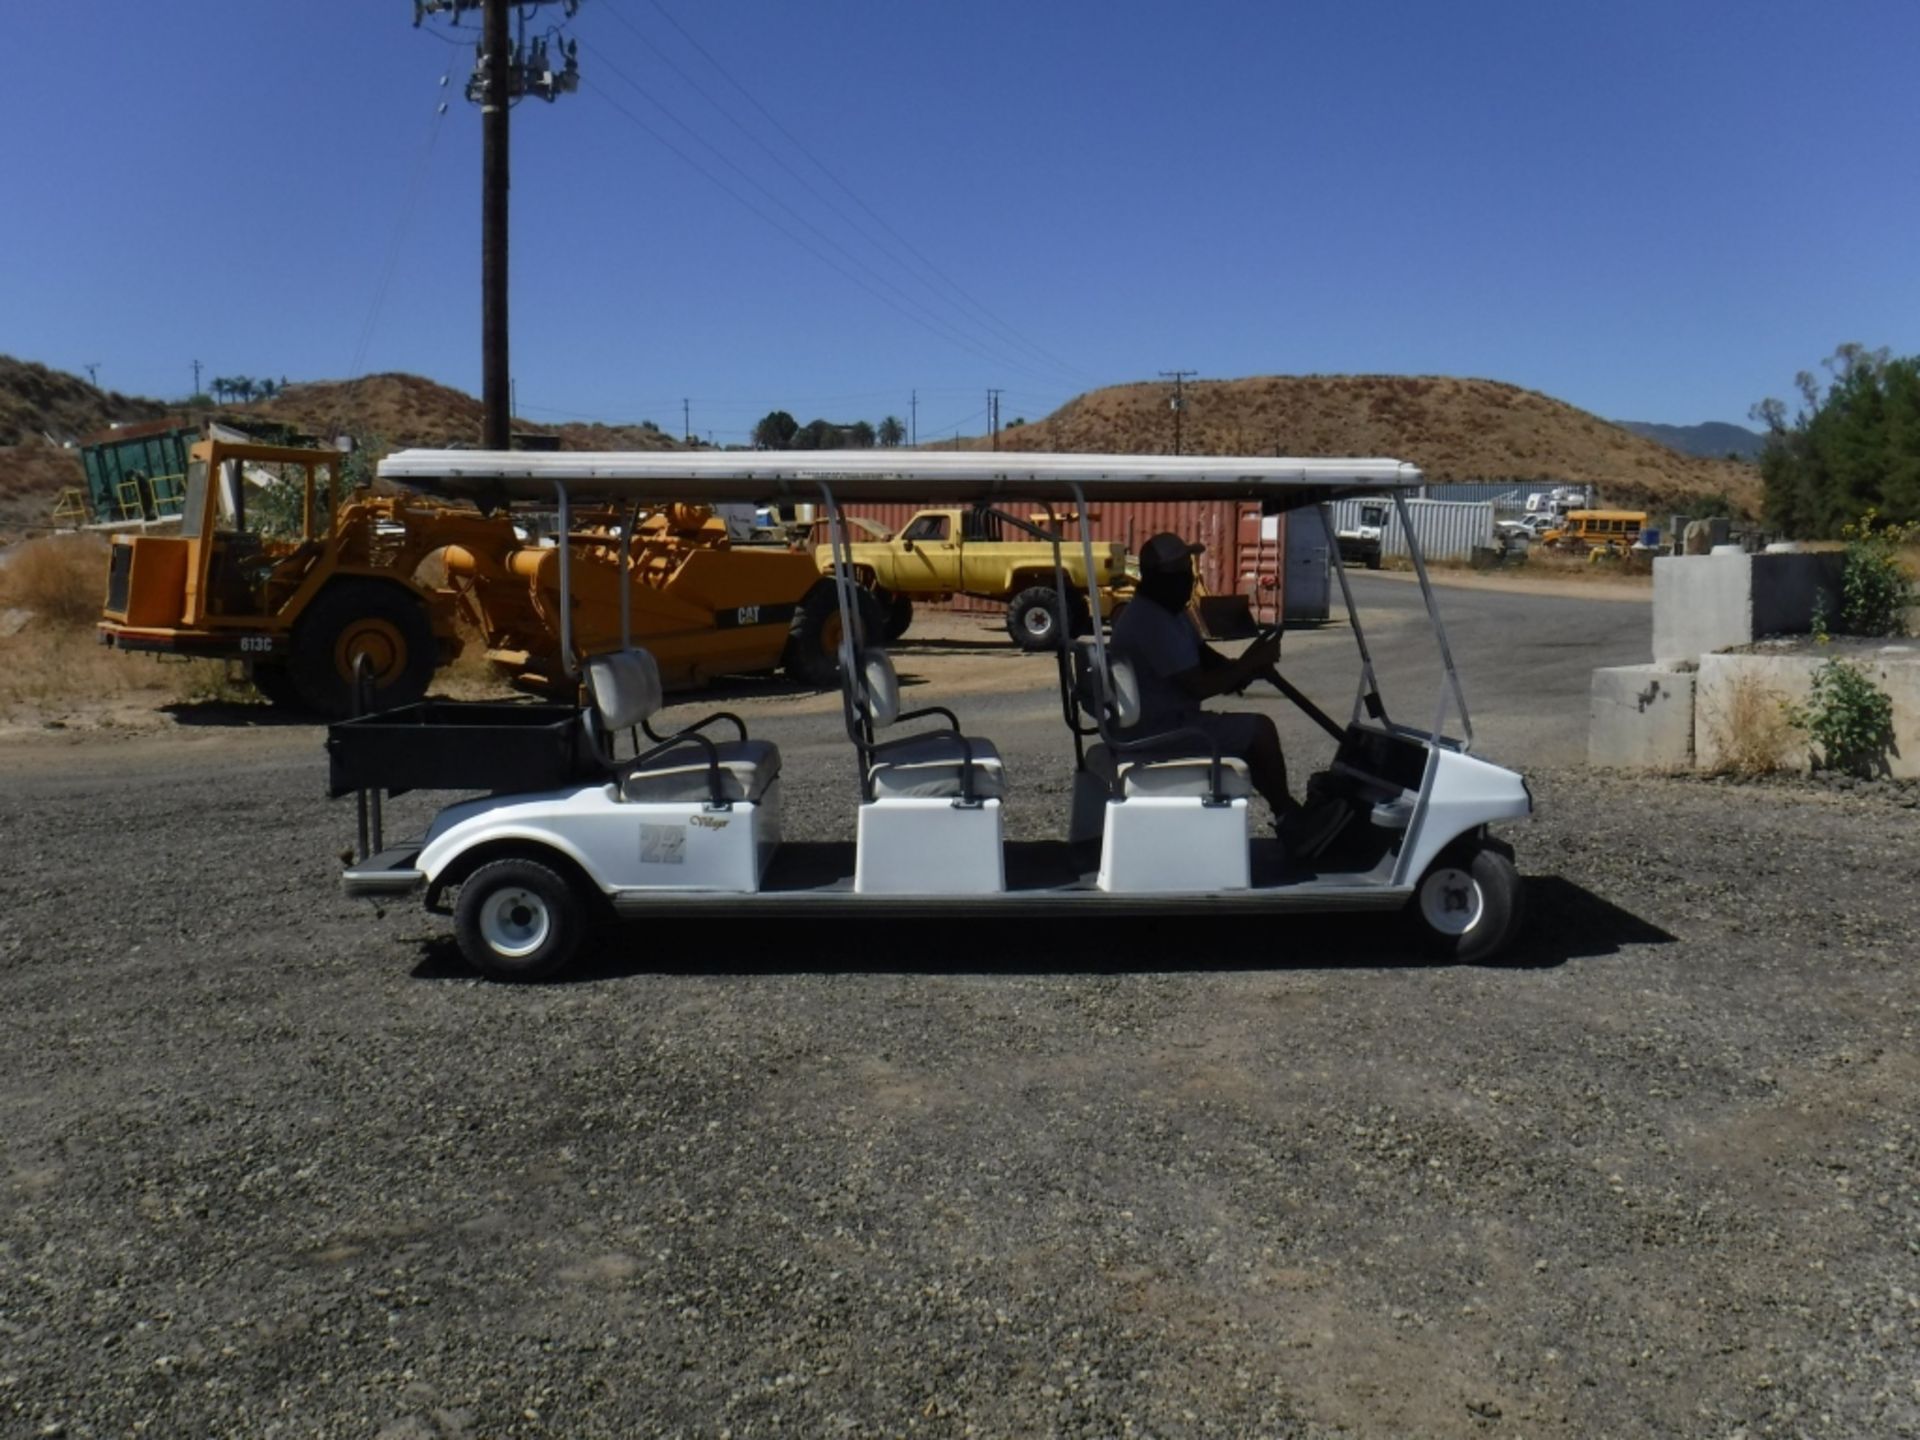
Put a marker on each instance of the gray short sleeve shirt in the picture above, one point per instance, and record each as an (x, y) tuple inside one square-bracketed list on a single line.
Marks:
[(1160, 643)]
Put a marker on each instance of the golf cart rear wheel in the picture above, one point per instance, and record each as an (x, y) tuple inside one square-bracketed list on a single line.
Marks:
[(813, 644), (1470, 903), (1033, 619), (518, 920)]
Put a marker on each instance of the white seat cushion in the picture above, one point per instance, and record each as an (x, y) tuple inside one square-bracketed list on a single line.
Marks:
[(747, 768), (928, 768), (1171, 775)]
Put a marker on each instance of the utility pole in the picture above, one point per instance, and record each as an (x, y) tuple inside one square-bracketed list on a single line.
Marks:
[(196, 377), (913, 409), (92, 367), (993, 416), (686, 420), (1179, 401), (507, 70)]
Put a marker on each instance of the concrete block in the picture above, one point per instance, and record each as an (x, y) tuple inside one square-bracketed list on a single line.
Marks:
[(1740, 703), (1703, 603), (1641, 718)]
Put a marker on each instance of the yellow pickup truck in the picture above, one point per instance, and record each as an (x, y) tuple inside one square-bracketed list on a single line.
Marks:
[(972, 551)]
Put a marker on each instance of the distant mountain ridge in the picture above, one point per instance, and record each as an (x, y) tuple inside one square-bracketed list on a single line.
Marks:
[(1714, 440)]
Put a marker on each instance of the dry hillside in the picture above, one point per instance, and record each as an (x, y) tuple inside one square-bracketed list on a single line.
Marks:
[(1453, 429), (388, 410)]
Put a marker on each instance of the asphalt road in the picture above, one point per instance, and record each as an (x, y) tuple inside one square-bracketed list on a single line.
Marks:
[(272, 1164)]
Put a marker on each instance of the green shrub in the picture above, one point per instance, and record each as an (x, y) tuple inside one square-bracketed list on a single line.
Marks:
[(1848, 718), (1874, 589)]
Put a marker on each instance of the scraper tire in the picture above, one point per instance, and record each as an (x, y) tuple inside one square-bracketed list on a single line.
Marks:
[(813, 645)]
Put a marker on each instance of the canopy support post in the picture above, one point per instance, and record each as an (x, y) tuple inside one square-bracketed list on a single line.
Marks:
[(1368, 695), (626, 576), (567, 665)]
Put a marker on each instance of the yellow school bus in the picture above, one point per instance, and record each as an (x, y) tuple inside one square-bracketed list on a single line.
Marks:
[(1596, 530)]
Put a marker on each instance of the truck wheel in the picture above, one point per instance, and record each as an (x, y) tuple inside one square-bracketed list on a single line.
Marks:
[(355, 618), (1034, 622), (1470, 903), (899, 613), (1373, 560), (813, 644), (518, 920)]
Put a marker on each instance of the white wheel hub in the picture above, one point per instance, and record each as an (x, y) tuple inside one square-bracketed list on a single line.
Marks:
[(1039, 622), (514, 921), (1451, 901)]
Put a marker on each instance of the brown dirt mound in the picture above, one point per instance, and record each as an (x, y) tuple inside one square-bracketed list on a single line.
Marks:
[(1453, 429)]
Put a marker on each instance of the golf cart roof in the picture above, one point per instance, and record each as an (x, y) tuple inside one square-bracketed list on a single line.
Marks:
[(494, 477)]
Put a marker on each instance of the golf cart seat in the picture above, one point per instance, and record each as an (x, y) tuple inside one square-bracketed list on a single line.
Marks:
[(1177, 763), (936, 765), (930, 818), (1170, 810), (1177, 773), (685, 767)]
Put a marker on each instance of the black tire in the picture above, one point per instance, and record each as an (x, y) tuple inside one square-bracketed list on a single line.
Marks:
[(899, 613), (351, 617), (276, 687), (1470, 904), (1033, 619), (813, 644), (518, 920), (1373, 560)]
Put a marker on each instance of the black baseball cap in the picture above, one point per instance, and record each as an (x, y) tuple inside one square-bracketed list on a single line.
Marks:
[(1167, 553)]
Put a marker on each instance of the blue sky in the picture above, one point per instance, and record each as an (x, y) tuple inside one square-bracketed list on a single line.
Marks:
[(1654, 211)]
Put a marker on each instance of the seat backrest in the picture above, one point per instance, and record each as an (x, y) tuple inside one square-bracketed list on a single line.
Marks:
[(1116, 701), (626, 688), (878, 693)]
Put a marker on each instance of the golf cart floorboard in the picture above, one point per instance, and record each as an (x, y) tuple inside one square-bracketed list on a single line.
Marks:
[(1042, 875)]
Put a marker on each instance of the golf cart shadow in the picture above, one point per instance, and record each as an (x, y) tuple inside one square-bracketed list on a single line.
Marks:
[(1565, 923)]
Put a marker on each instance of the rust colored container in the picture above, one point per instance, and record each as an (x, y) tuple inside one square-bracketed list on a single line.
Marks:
[(1220, 525)]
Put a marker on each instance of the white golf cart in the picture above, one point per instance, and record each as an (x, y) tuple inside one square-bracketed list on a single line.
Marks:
[(686, 820)]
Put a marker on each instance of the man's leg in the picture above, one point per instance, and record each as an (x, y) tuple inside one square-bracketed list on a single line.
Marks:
[(1252, 737)]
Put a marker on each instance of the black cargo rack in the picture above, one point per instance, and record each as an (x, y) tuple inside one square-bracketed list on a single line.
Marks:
[(488, 745)]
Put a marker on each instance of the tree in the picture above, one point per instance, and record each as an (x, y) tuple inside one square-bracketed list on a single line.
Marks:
[(775, 431), (892, 432), (1848, 451), (818, 435), (860, 435)]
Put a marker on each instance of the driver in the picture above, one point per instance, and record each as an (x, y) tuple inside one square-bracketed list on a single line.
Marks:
[(1176, 671)]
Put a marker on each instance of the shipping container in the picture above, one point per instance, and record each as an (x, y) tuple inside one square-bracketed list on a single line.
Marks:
[(1447, 529)]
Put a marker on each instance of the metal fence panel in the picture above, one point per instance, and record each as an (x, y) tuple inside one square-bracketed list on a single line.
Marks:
[(1447, 529)]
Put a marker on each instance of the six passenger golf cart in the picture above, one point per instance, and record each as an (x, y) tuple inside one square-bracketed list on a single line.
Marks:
[(589, 808)]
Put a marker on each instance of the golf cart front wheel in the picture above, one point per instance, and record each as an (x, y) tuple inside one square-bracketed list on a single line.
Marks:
[(518, 920), (1469, 904)]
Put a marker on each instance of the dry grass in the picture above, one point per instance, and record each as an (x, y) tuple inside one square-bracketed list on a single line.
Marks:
[(1754, 736), (62, 578)]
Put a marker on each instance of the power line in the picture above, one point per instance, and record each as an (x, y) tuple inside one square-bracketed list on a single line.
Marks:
[(907, 304), (932, 326), (1011, 335)]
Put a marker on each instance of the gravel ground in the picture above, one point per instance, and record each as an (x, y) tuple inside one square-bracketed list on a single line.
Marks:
[(272, 1165)]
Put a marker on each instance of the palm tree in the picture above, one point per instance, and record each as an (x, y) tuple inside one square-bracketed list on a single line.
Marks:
[(892, 432)]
